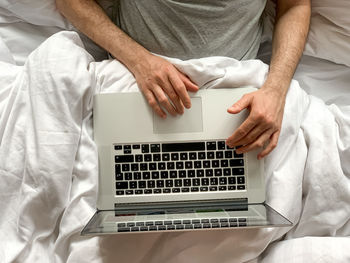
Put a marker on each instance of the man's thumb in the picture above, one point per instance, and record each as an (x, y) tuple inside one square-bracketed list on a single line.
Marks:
[(240, 105)]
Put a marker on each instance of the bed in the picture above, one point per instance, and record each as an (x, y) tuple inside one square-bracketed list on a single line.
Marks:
[(48, 160)]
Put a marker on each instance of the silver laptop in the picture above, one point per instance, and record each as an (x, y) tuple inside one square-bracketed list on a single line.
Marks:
[(175, 174)]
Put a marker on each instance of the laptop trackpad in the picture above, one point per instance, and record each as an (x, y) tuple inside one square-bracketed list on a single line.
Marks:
[(190, 121)]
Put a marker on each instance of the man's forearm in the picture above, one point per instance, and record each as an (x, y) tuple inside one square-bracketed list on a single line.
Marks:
[(90, 18), (290, 33)]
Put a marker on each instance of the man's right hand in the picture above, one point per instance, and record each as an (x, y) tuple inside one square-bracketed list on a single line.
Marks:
[(163, 85)]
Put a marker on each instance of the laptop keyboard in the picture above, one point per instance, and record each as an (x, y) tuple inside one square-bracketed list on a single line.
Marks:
[(185, 224), (167, 168)]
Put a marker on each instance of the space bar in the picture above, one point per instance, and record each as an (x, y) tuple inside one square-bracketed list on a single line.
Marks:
[(182, 147)]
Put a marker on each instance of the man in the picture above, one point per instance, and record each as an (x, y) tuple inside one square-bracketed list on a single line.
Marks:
[(191, 29)]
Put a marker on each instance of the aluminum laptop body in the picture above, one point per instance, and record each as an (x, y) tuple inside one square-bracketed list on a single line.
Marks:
[(175, 174)]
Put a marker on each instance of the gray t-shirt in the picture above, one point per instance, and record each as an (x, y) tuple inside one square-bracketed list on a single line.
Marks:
[(194, 28)]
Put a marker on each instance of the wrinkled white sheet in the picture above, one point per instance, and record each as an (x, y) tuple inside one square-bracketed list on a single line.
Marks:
[(48, 167)]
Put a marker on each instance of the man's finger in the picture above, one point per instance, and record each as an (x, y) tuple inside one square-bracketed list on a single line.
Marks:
[(241, 131), (190, 86), (272, 145), (153, 103), (174, 98), (163, 100), (241, 104), (180, 89), (258, 143), (252, 136)]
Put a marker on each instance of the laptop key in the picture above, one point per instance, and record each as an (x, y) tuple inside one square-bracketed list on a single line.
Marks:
[(192, 155), (160, 183), (139, 192), (156, 157), (189, 226), (179, 165), (170, 227), (135, 229), (169, 183), (222, 180), (185, 189), (236, 162), (182, 174), (228, 154), (204, 189), (206, 225), (132, 184), (176, 190), (191, 173), (157, 191), (183, 156), (120, 192), (161, 227), (241, 187), (165, 157), (194, 189), (219, 155), (152, 166), (240, 180), (188, 165), (119, 177), (147, 191), (211, 145), (180, 227), (121, 185), (222, 188), (164, 174), (237, 171), (155, 148), (209, 172), (148, 157), (213, 188), (138, 158), (125, 167), (221, 145), (173, 174), (143, 228), (118, 147), (170, 165), (166, 190), (129, 192), (140, 223), (145, 148), (142, 184), (206, 164), (174, 156), (153, 228), (201, 155), (155, 175), (123, 229), (124, 158)]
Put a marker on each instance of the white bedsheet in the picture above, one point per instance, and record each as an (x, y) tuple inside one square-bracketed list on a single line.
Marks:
[(48, 167)]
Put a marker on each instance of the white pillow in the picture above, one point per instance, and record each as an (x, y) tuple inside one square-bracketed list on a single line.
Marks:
[(329, 36), (37, 12)]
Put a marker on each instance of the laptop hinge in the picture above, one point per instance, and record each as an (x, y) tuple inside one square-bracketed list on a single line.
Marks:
[(239, 203)]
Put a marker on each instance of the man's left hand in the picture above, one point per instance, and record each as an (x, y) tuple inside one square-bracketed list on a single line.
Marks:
[(263, 125)]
